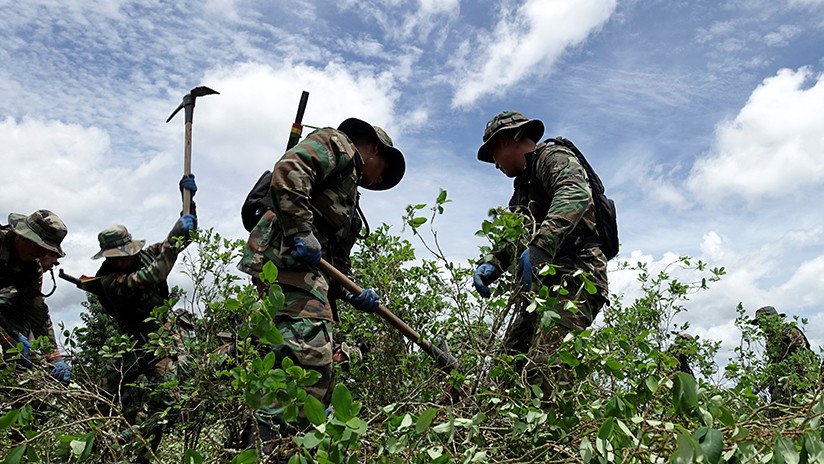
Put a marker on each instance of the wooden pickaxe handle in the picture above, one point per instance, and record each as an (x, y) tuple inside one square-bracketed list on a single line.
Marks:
[(444, 359)]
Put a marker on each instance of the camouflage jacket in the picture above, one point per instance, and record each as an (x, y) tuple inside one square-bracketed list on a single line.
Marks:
[(314, 189), (129, 298), (554, 190), (23, 309), (782, 345)]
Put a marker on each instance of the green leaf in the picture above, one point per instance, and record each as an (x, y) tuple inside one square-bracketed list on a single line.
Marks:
[(711, 442), (569, 358), (191, 456), (9, 418), (312, 439), (15, 455), (652, 383), (269, 273), (586, 450), (785, 451), (441, 197), (417, 222), (685, 453), (314, 410), (684, 393), (814, 448), (248, 456), (405, 422), (425, 420), (342, 403)]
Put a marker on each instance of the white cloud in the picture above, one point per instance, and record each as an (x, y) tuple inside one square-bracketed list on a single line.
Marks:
[(773, 147), (525, 42), (782, 36)]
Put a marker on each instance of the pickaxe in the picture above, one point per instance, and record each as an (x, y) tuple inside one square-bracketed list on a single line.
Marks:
[(189, 104), (443, 357)]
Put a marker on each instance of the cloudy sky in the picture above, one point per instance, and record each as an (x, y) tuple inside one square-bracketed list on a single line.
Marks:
[(703, 119)]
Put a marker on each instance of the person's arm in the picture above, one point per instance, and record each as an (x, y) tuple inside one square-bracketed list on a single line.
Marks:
[(164, 255), (296, 174), (564, 177)]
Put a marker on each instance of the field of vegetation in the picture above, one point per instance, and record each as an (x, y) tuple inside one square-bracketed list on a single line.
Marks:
[(622, 398)]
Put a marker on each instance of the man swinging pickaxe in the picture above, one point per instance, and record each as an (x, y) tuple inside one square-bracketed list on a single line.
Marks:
[(189, 104)]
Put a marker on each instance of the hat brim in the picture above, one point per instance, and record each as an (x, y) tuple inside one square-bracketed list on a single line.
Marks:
[(534, 130), (18, 223), (395, 161), (130, 249), (754, 320)]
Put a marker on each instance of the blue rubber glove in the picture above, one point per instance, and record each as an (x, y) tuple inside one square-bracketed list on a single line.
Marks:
[(368, 301), (307, 249), (188, 183), (526, 272), (61, 371), (25, 353), (482, 278), (184, 226)]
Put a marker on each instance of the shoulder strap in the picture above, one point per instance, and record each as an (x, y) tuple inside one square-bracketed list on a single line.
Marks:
[(594, 180)]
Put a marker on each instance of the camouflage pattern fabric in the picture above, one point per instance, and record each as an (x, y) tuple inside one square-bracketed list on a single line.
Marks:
[(792, 369), (300, 207), (41, 227), (308, 342), (130, 297), (554, 191), (23, 309)]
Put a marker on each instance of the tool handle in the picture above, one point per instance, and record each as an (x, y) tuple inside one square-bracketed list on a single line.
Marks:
[(444, 360), (68, 278), (187, 166), (297, 128)]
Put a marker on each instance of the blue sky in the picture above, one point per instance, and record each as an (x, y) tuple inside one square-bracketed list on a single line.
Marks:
[(702, 118)]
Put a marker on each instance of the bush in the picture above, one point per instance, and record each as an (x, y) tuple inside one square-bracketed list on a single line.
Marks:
[(624, 398)]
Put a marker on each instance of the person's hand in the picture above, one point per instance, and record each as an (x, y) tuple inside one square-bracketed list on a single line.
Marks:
[(25, 352), (184, 226), (61, 371), (307, 248), (368, 300), (188, 183), (526, 271), (482, 277)]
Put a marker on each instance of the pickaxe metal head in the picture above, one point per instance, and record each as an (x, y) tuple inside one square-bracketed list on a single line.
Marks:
[(189, 101)]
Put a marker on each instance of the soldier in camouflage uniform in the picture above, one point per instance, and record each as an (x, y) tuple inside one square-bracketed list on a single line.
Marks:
[(132, 283), (316, 214), (29, 246), (792, 368), (552, 189)]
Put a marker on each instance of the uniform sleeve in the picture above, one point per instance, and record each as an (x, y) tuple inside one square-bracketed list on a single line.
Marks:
[(164, 256), (294, 178), (564, 177)]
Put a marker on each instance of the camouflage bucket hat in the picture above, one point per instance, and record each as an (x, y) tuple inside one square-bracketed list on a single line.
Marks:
[(41, 227), (509, 120), (116, 241), (396, 164), (765, 311)]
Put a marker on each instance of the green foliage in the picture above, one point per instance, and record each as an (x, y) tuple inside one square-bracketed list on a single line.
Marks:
[(618, 396)]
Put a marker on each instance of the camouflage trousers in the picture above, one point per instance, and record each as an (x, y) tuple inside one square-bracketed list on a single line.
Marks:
[(307, 342), (526, 336)]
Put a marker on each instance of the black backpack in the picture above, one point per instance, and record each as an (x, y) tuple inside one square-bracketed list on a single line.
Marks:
[(606, 224), (259, 200)]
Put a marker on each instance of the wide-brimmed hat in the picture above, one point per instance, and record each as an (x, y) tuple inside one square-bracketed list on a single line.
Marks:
[(116, 242), (41, 227), (396, 164), (509, 120), (765, 311)]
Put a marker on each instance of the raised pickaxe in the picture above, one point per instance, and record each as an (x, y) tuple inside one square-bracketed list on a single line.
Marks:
[(189, 104), (443, 357)]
